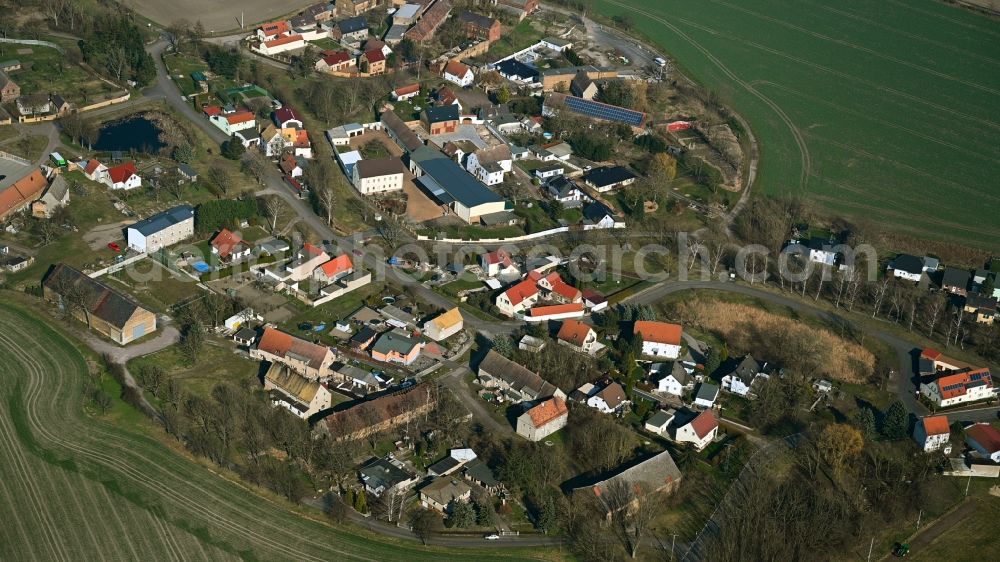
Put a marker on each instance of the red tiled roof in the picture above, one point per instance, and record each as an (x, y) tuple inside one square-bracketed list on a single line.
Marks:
[(311, 249), (286, 114), (279, 343), (337, 265), (499, 256), (212, 110), (23, 191), (547, 411), (283, 40), (406, 90), (936, 425), (92, 165), (593, 296), (574, 332), (957, 384), (374, 55), (336, 58), (122, 172), (986, 435), (523, 290), (704, 423), (555, 309), (239, 117), (445, 96), (562, 288), (456, 68), (275, 27), (659, 332), (226, 241), (302, 139), (931, 354)]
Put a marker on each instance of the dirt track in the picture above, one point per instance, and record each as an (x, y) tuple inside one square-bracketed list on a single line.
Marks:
[(215, 15)]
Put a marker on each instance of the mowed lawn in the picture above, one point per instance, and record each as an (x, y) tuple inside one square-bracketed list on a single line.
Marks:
[(887, 111), (76, 486)]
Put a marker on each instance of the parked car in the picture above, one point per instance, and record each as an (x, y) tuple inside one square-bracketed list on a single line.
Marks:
[(493, 537)]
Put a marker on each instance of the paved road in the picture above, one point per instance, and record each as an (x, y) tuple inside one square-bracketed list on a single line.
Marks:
[(454, 380)]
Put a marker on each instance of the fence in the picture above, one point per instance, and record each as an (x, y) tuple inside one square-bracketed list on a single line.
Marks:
[(34, 42), (91, 107), (118, 266), (532, 236), (13, 158)]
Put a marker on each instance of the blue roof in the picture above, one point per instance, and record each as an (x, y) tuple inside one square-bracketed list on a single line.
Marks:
[(163, 220), (350, 25), (448, 182), (605, 111)]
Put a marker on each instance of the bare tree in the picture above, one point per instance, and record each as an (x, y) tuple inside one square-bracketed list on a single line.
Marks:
[(272, 208), (254, 165), (934, 306), (117, 61), (632, 508), (879, 290), (220, 178)]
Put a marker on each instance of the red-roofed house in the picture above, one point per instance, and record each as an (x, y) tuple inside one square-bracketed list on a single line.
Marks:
[(498, 262), (555, 312), (932, 433), (578, 335), (124, 176), (700, 431), (339, 61), (22, 192), (559, 290), (518, 297), (308, 359), (286, 117), (985, 439), (967, 384), (238, 121), (543, 420), (404, 93), (445, 96), (659, 339), (459, 73), (340, 266), (229, 246), (211, 110), (375, 62), (272, 30)]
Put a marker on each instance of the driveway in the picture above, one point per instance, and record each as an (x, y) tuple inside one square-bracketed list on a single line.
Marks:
[(456, 383)]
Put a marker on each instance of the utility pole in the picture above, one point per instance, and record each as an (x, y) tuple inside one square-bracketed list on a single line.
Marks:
[(870, 547)]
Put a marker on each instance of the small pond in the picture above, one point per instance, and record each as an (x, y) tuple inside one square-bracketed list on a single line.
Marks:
[(133, 133)]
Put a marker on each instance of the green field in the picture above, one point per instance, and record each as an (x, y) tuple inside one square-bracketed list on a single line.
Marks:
[(886, 111), (80, 487)]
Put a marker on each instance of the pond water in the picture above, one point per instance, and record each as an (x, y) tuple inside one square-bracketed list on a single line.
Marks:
[(136, 133)]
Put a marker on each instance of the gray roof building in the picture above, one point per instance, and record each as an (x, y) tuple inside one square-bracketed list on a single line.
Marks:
[(161, 221), (448, 182)]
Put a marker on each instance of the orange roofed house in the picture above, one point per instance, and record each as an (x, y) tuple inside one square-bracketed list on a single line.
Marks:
[(932, 433), (21, 193), (331, 271), (543, 419), (308, 359), (659, 339), (518, 298), (579, 335), (238, 121), (946, 381)]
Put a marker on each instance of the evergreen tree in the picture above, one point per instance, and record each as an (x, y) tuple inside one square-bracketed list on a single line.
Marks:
[(461, 514), (712, 361), (894, 424), (360, 503), (865, 420), (233, 149)]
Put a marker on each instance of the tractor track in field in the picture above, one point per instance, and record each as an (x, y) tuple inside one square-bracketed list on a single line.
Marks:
[(942, 17), (806, 159)]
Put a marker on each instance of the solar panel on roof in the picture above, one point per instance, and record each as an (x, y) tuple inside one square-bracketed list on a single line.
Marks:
[(604, 111)]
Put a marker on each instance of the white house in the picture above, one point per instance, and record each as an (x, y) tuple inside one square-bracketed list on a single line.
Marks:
[(549, 171), (565, 191), (542, 420), (489, 165), (161, 230), (671, 378), (281, 44), (953, 382), (706, 396), (659, 339), (444, 325), (459, 73), (498, 262), (378, 175), (608, 400), (579, 336), (404, 93), (124, 176), (932, 433), (743, 377), (518, 298), (907, 267), (232, 122), (96, 171), (700, 431)]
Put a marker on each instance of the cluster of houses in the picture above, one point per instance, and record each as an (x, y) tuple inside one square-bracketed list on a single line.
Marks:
[(970, 290), (42, 190), (315, 276), (933, 433), (451, 479), (29, 105), (283, 138)]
